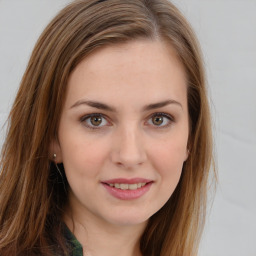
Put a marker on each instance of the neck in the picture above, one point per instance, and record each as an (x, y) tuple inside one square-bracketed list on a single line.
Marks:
[(99, 238)]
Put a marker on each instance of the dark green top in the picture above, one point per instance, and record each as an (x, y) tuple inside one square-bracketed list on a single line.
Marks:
[(76, 247)]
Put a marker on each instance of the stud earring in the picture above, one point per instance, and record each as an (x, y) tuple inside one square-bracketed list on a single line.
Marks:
[(59, 171)]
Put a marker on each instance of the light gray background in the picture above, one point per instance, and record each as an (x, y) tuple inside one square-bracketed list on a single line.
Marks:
[(227, 32)]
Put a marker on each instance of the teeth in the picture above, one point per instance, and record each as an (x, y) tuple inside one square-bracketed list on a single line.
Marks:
[(124, 186), (133, 186), (128, 186)]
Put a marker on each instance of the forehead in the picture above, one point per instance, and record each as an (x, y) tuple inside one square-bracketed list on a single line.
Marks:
[(137, 69)]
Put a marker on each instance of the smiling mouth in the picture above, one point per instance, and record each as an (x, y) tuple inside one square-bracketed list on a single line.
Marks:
[(126, 189), (124, 186)]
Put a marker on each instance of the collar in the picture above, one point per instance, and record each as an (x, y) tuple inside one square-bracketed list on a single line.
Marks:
[(76, 247)]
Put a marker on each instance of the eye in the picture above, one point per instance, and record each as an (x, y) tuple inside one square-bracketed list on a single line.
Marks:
[(94, 121), (160, 120)]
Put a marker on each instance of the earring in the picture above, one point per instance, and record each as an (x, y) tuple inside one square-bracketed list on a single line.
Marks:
[(57, 167)]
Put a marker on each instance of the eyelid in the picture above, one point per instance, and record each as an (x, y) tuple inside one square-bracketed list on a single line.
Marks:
[(163, 114), (85, 117)]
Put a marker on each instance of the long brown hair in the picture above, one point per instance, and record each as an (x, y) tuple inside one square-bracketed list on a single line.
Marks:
[(33, 193)]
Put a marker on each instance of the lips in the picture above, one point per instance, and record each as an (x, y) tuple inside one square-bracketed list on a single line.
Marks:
[(127, 189), (127, 181)]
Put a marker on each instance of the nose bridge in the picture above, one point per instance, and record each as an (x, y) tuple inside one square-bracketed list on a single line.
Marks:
[(129, 148)]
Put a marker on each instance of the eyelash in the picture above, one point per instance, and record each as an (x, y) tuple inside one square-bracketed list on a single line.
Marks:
[(160, 114), (165, 115), (87, 117)]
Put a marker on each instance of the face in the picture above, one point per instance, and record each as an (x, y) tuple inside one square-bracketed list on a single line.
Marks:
[(123, 131)]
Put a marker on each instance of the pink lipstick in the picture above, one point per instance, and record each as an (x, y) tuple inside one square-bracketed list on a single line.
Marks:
[(127, 189)]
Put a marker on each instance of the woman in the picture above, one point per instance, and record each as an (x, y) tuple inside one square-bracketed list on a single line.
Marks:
[(108, 149)]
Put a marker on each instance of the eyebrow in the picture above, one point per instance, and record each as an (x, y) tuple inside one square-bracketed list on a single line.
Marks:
[(94, 104), (161, 104), (106, 107)]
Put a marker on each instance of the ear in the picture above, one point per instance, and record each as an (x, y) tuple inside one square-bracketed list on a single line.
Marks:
[(187, 153), (55, 153)]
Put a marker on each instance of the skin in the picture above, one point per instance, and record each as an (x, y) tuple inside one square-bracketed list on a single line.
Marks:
[(130, 142)]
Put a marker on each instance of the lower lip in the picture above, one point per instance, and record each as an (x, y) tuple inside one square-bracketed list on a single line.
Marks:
[(128, 194)]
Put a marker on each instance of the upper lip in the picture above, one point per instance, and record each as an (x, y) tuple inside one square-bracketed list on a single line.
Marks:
[(127, 181)]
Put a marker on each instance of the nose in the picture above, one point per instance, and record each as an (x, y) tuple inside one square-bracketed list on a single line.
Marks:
[(128, 149)]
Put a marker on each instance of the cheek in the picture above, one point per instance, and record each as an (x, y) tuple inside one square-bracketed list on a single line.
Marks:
[(168, 158), (168, 164), (82, 156)]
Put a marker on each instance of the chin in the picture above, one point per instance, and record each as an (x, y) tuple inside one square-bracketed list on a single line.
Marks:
[(125, 219)]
